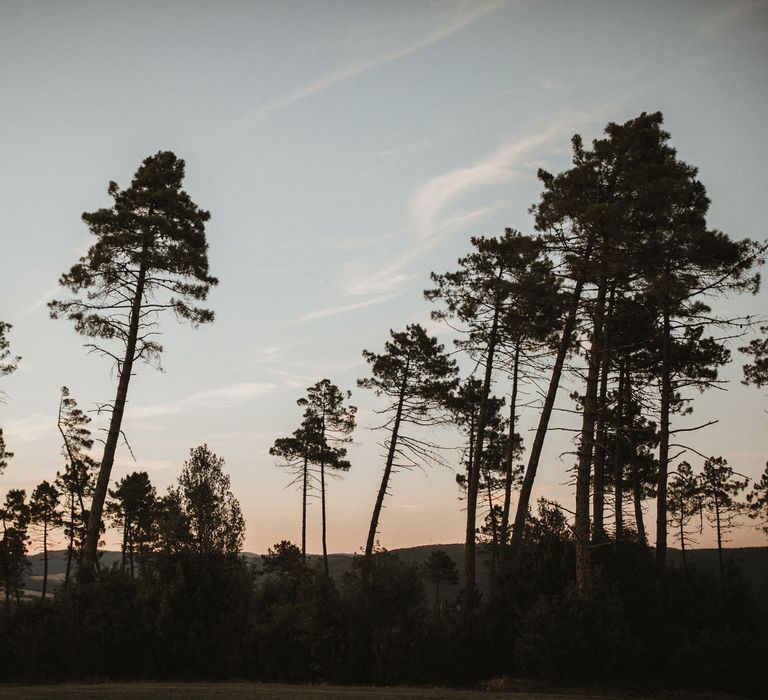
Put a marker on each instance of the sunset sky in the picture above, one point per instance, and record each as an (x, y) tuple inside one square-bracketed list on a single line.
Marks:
[(344, 150)]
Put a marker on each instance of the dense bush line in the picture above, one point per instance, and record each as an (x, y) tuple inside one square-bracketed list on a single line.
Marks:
[(194, 616)]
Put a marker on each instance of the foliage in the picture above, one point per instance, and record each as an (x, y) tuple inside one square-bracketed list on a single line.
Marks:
[(757, 501), (150, 255), (132, 509), (8, 365), (416, 376), (757, 372), (211, 512), (77, 481), (15, 515)]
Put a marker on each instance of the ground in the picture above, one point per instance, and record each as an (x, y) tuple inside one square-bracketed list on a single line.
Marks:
[(258, 691)]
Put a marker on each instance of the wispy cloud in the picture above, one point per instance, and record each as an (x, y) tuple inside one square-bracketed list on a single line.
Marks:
[(433, 214), (335, 310), (437, 194), (711, 24), (465, 15), (224, 397), (29, 429), (42, 300)]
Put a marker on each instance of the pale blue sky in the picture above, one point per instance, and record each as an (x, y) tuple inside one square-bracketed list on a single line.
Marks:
[(345, 150)]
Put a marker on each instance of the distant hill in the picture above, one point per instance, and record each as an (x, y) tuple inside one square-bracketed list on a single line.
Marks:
[(752, 562)]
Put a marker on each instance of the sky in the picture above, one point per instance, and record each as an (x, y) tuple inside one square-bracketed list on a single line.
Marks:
[(344, 150)]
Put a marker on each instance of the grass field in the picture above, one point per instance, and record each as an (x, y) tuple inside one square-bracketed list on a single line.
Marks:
[(257, 691)]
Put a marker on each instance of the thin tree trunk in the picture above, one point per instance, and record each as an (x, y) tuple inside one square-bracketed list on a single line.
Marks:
[(474, 472), (91, 543), (637, 489), (71, 545), (618, 467), (45, 558), (125, 544), (508, 463), (661, 490), (598, 498), (541, 431), (130, 556), (322, 499), (304, 505), (388, 465), (494, 528), (682, 537), (719, 537), (586, 446)]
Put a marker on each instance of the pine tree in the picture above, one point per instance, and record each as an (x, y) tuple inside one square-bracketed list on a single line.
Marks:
[(489, 283), (8, 365), (334, 423), (132, 508), (15, 516), (719, 488), (684, 502), (757, 372), (757, 501), (440, 568), (298, 454), (416, 376), (208, 510), (150, 255), (44, 512), (78, 479)]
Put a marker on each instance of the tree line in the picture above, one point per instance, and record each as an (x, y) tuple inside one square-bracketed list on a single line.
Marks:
[(614, 289)]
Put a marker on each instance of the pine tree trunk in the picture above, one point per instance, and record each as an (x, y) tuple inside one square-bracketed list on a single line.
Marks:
[(682, 537), (586, 446), (661, 490), (494, 526), (637, 490), (388, 465), (322, 499), (124, 548), (719, 537), (91, 543), (474, 471), (45, 558), (598, 498), (618, 467), (508, 464), (305, 477), (546, 412), (130, 556), (71, 544)]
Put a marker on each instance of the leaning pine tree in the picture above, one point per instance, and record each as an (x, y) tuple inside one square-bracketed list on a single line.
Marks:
[(150, 255), (417, 377)]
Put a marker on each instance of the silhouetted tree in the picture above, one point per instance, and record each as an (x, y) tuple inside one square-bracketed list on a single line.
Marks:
[(757, 372), (416, 376), (299, 453), (44, 512), (440, 568), (150, 255), (77, 480), (719, 489), (284, 558), (685, 501), (757, 501), (334, 423), (132, 508), (8, 364), (489, 282), (211, 512), (13, 547)]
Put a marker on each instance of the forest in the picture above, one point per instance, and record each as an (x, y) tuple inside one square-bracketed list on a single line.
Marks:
[(617, 286)]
